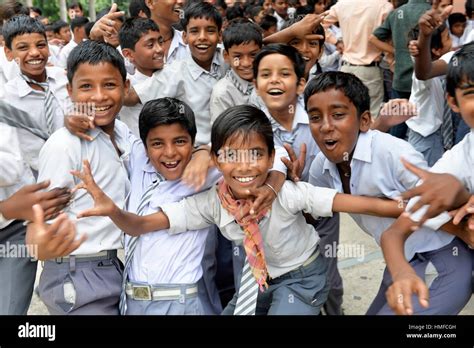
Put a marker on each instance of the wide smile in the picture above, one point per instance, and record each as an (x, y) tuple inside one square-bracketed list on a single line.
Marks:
[(275, 92), (170, 165), (101, 110), (245, 180), (35, 62), (202, 48)]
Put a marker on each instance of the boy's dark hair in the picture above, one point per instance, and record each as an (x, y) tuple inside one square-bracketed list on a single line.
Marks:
[(241, 120), (88, 29), (436, 37), (12, 8), (349, 84), (241, 32), (201, 10), (48, 27), (253, 11), (133, 29), (222, 4), (136, 6), (318, 30), (79, 22), (75, 5), (94, 52), (456, 17), (36, 10), (166, 111), (268, 22), (469, 8), (234, 12), (460, 69), (58, 25), (20, 25), (288, 51)]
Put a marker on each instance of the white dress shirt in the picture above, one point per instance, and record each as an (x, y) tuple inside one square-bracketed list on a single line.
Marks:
[(20, 95), (14, 172), (178, 49), (376, 171), (186, 81), (64, 152), (288, 241), (160, 257), (129, 114), (64, 53)]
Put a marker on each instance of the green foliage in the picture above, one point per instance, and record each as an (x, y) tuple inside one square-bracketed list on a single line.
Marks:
[(50, 8)]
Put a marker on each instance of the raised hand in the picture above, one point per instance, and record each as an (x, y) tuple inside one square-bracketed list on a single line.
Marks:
[(103, 205), (106, 27), (295, 164), (79, 125)]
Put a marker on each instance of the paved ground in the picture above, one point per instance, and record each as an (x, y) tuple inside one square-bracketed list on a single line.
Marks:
[(361, 270)]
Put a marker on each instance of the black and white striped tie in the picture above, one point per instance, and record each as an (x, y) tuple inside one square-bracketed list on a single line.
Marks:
[(248, 292), (132, 242)]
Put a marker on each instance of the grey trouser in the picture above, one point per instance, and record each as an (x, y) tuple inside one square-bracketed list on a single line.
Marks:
[(302, 291), (186, 305), (447, 273), (17, 274), (431, 146), (372, 77), (82, 287), (328, 230)]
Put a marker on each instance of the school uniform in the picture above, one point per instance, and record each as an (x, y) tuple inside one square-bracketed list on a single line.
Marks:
[(161, 262), (459, 161), (17, 273), (8, 71), (178, 49), (186, 81), (229, 91), (291, 245), (89, 280), (376, 171), (20, 95), (130, 114), (64, 54), (425, 133)]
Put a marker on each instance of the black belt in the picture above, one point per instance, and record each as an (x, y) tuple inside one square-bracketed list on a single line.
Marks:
[(374, 63)]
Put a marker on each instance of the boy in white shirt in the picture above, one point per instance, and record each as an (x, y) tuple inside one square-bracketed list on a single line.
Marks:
[(78, 28)]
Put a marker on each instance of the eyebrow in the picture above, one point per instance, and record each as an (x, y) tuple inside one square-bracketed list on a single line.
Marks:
[(332, 106)]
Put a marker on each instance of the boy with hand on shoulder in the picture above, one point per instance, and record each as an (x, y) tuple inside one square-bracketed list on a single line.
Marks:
[(142, 45), (38, 90), (338, 105), (280, 245), (457, 162), (242, 41), (90, 280)]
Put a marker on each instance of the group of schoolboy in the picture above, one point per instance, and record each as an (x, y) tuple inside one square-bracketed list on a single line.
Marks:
[(204, 149)]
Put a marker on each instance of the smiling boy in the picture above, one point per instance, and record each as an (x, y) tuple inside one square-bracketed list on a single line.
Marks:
[(89, 281)]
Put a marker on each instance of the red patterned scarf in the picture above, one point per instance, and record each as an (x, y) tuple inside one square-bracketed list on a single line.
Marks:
[(253, 242)]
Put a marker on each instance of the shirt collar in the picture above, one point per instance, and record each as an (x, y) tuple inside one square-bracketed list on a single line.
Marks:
[(242, 85), (176, 41), (301, 115), (196, 70), (24, 88), (363, 149)]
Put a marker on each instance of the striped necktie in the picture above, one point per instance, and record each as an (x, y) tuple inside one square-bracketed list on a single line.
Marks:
[(48, 102), (447, 128), (133, 241), (248, 292)]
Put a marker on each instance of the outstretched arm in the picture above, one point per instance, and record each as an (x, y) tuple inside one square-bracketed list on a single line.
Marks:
[(367, 205), (131, 224)]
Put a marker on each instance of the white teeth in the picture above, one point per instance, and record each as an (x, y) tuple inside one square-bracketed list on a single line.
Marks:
[(245, 178), (275, 91), (101, 108), (306, 58), (171, 163), (202, 46), (35, 62)]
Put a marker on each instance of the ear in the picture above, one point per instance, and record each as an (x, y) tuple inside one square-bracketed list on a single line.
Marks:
[(453, 103), (69, 89), (301, 86), (365, 121), (185, 37), (216, 161), (129, 54), (126, 87), (220, 36), (149, 4), (272, 158), (8, 53), (255, 86), (226, 57)]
